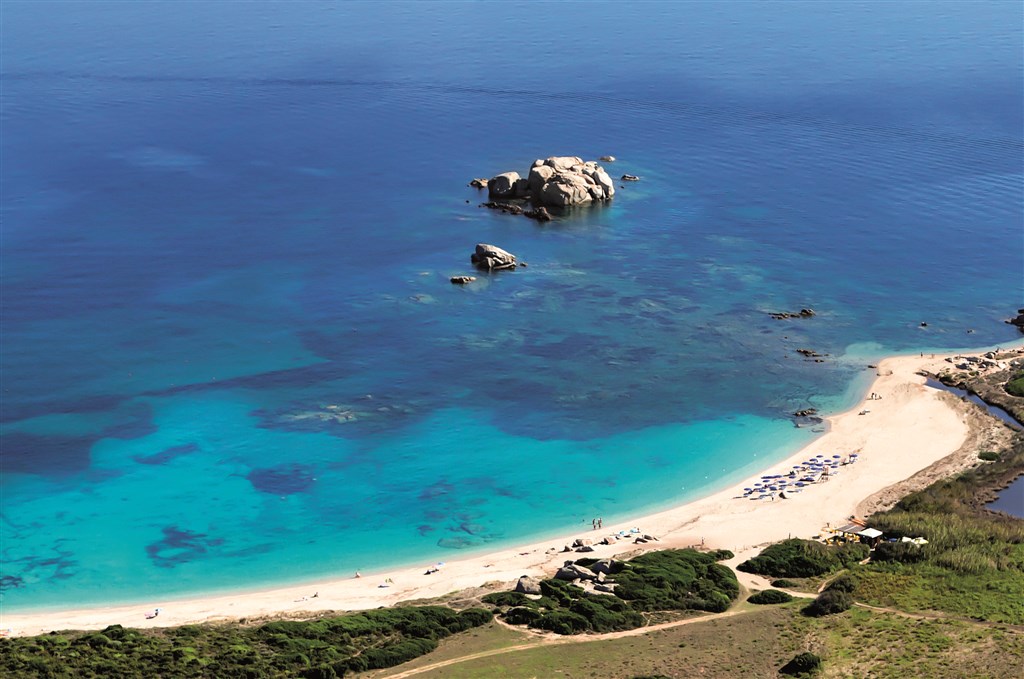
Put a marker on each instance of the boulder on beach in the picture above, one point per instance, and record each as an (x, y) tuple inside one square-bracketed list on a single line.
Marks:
[(571, 571), (528, 585)]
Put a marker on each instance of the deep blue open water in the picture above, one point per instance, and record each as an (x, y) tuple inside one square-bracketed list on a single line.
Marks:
[(231, 355)]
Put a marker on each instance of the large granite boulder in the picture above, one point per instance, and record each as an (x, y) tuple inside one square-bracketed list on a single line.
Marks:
[(559, 181), (492, 258), (503, 186), (528, 585), (571, 571)]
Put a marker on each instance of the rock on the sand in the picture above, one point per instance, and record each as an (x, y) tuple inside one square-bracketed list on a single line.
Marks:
[(528, 585)]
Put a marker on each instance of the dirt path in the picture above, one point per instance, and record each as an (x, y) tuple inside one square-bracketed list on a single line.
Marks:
[(554, 640), (940, 616)]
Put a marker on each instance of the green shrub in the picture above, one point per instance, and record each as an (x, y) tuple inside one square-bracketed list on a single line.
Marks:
[(522, 616), (805, 663), (796, 558), (988, 456), (844, 583), (1015, 387), (562, 622), (396, 654), (721, 554), (677, 580), (770, 596), (829, 602), (506, 599), (902, 552), (782, 582)]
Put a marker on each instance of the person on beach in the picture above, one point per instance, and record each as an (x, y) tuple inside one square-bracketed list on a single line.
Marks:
[(593, 524), (600, 522)]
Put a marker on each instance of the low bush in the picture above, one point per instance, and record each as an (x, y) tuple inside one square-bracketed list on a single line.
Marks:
[(1015, 387), (657, 581), (829, 602), (844, 583), (988, 456), (721, 554), (324, 647), (796, 558), (901, 552), (786, 584), (805, 663), (770, 596)]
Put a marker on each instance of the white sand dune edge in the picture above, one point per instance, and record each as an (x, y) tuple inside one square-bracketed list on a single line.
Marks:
[(908, 429)]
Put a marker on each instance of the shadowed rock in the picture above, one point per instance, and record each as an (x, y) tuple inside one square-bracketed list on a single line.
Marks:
[(492, 258)]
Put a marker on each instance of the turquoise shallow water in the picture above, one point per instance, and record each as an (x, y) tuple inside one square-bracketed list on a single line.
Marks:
[(231, 356)]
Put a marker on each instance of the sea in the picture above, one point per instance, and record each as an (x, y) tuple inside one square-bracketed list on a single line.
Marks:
[(231, 354)]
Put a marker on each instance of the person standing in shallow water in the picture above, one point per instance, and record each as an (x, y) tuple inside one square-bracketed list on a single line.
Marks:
[(600, 522)]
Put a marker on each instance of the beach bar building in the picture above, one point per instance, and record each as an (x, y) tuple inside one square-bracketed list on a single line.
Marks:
[(857, 531)]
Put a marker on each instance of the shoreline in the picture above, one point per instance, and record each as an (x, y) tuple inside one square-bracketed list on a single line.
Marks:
[(910, 429)]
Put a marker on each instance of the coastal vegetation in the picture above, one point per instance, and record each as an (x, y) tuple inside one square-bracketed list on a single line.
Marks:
[(669, 580), (797, 558), (322, 648), (973, 562), (858, 643), (1015, 387), (770, 596)]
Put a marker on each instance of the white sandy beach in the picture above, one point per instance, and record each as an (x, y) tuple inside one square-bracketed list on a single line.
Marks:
[(909, 429)]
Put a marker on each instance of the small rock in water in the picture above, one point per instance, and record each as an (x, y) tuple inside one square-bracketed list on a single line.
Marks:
[(607, 159), (541, 214), (462, 280), (630, 178), (492, 258)]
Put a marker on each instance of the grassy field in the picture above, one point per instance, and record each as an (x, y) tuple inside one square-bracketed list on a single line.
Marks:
[(859, 643)]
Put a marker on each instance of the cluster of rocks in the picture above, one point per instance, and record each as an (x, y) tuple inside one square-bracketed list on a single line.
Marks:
[(1018, 321), (541, 213), (806, 417), (587, 545), (811, 353), (782, 315), (596, 575), (985, 362), (560, 181)]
